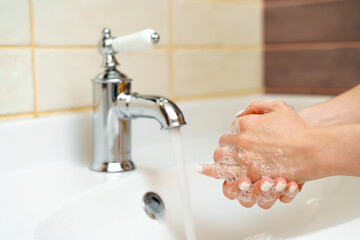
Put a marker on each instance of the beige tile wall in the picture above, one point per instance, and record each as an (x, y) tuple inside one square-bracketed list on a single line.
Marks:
[(209, 48)]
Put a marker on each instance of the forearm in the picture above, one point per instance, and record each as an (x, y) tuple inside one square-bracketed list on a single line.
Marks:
[(342, 109), (339, 150)]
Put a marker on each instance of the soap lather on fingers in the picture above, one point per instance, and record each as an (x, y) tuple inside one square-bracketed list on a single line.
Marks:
[(263, 192), (254, 152)]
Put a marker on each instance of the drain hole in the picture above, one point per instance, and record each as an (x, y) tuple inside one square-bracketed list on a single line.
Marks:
[(155, 199), (153, 205)]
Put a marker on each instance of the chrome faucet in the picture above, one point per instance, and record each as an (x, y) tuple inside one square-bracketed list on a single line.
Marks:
[(114, 105)]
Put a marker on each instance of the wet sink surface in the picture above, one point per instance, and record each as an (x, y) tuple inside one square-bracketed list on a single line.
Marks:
[(114, 208)]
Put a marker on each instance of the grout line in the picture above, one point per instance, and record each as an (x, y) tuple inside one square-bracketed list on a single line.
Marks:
[(50, 112), (171, 49), (281, 3), (306, 90), (309, 46), (31, 23), (67, 47), (17, 115), (260, 90), (36, 114), (219, 47), (15, 47), (234, 2), (69, 110), (46, 47)]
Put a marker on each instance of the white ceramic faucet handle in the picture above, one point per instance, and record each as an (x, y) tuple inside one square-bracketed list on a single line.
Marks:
[(144, 39)]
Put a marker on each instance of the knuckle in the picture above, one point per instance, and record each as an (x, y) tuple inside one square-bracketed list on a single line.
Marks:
[(218, 154), (246, 122), (281, 104), (223, 139), (253, 172), (228, 192), (241, 142), (244, 140), (255, 103), (235, 127)]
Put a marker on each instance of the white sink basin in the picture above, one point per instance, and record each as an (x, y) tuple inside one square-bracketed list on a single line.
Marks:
[(47, 196), (112, 208)]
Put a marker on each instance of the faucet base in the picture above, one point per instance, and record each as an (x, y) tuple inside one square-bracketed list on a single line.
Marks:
[(112, 167)]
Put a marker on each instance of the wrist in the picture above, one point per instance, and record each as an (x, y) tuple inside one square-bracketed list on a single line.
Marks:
[(338, 151), (324, 152), (320, 158), (313, 117)]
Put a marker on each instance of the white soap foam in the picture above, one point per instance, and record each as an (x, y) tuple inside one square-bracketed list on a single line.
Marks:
[(264, 236), (268, 129), (266, 186), (235, 127), (227, 168), (280, 187), (277, 164), (245, 196), (244, 186), (292, 189), (200, 168)]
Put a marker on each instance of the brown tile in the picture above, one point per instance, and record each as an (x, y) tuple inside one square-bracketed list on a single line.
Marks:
[(319, 69), (316, 21)]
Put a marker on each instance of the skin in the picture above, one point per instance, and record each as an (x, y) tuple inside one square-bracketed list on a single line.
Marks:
[(318, 142), (340, 110)]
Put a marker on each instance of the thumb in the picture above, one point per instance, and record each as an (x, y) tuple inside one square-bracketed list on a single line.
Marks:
[(260, 107)]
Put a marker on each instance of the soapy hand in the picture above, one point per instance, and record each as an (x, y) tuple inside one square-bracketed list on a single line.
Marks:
[(268, 140), (264, 192)]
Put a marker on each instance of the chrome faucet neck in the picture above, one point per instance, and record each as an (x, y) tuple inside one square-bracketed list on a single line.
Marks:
[(114, 105)]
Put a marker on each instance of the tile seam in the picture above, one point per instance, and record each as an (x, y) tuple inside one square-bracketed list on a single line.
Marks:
[(17, 115), (33, 58), (178, 98), (68, 110), (280, 4), (232, 2), (49, 112), (171, 49), (166, 47), (269, 47)]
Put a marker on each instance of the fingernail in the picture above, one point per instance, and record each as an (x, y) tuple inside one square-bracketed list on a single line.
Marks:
[(265, 187), (292, 189), (280, 187), (239, 112), (244, 186), (200, 168)]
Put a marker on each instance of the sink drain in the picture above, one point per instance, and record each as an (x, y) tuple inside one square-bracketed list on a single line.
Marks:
[(153, 205)]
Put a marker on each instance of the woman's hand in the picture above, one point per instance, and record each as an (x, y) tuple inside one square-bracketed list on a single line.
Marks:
[(268, 140), (264, 192)]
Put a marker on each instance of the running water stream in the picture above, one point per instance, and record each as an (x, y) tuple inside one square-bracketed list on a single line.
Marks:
[(177, 146)]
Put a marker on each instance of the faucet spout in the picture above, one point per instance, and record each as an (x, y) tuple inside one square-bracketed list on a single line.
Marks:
[(114, 106), (163, 110)]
